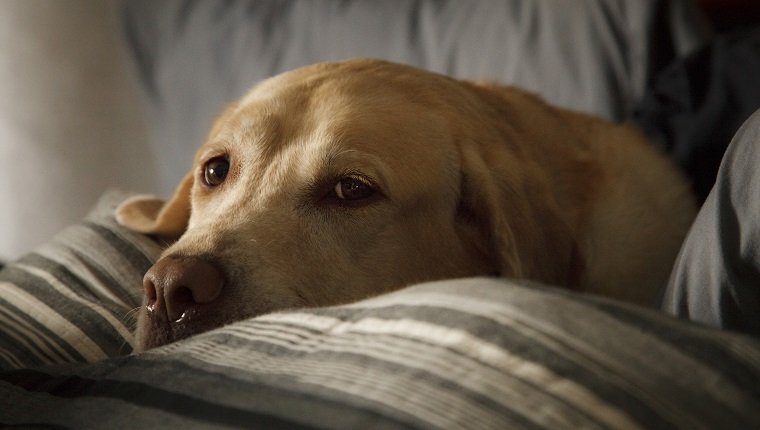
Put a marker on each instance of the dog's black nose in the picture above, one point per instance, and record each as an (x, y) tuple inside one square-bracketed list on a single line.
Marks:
[(176, 284)]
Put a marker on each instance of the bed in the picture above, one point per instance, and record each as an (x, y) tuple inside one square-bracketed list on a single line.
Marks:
[(460, 353)]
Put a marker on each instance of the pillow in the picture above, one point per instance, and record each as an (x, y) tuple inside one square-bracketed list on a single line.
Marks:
[(468, 353), (592, 55), (471, 353), (71, 299)]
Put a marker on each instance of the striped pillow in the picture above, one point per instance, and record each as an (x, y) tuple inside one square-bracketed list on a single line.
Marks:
[(71, 299), (476, 353), (471, 353)]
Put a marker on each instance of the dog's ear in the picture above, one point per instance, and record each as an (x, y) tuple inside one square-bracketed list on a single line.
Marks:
[(167, 219), (504, 200), (151, 215), (480, 206)]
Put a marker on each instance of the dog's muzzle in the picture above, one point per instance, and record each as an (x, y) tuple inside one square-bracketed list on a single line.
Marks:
[(179, 290)]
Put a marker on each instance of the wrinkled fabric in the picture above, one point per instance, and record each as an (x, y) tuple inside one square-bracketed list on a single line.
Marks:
[(716, 278), (696, 104)]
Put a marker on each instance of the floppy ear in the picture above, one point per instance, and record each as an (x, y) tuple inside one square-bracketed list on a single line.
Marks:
[(521, 226), (151, 215)]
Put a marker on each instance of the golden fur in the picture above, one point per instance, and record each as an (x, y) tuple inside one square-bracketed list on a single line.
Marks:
[(470, 179)]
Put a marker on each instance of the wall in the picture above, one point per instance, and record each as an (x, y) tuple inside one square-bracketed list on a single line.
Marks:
[(70, 122)]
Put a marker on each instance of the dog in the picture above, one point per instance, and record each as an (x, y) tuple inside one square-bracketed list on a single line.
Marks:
[(339, 181)]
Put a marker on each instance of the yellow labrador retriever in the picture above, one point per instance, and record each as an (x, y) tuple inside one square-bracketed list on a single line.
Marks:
[(336, 182)]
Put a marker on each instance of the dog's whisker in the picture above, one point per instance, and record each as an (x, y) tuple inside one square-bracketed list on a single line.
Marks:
[(130, 319), (131, 315)]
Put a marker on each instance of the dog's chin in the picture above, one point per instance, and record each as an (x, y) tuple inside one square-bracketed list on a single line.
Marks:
[(153, 331)]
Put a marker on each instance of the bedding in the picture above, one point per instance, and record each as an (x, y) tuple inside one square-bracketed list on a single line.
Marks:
[(468, 353), (68, 301)]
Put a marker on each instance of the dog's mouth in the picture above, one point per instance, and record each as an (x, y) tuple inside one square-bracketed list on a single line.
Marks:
[(156, 330)]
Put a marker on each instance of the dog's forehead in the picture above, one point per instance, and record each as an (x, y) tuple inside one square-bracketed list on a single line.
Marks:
[(350, 73), (288, 135), (365, 81), (351, 106), (305, 118)]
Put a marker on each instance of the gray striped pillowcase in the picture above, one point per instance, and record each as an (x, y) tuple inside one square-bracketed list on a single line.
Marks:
[(71, 299), (472, 353)]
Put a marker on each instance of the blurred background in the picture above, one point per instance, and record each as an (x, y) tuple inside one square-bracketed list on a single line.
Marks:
[(70, 121), (100, 94)]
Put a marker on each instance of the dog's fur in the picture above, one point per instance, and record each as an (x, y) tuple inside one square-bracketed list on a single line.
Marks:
[(470, 179)]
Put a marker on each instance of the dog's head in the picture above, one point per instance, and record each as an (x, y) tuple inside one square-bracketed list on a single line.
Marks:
[(339, 181)]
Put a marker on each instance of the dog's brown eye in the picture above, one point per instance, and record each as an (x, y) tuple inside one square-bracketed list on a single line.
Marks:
[(215, 171), (353, 188)]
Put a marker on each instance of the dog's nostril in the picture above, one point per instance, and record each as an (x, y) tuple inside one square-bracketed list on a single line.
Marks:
[(151, 296), (181, 296), (178, 300)]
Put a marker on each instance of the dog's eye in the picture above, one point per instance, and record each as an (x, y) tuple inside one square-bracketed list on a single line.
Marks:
[(215, 171), (353, 188)]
